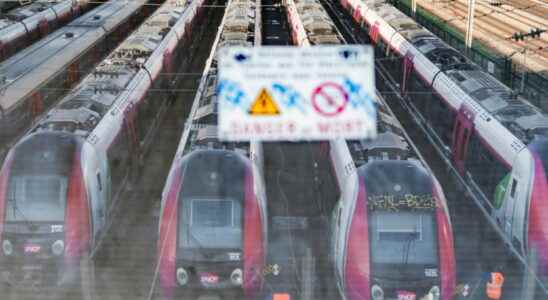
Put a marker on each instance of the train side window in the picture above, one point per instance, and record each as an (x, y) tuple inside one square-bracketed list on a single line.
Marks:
[(513, 189), (442, 118), (99, 183), (339, 216)]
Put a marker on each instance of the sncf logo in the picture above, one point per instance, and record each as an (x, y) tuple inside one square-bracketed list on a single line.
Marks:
[(32, 248), (405, 295), (209, 278)]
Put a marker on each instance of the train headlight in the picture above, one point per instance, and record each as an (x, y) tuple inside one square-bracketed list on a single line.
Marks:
[(435, 292), (377, 293), (237, 277), (58, 247), (182, 276), (7, 247)]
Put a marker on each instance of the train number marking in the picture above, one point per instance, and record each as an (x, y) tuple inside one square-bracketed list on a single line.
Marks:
[(56, 228), (431, 272), (234, 256)]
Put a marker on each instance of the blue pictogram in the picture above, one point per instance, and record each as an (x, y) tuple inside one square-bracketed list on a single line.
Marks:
[(359, 98), (232, 93), (289, 97)]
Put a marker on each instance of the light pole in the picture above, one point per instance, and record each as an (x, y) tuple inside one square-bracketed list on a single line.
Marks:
[(470, 23)]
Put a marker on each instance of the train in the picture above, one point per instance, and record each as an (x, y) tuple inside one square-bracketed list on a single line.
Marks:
[(391, 234), (493, 140), (61, 182), (24, 25), (213, 218), (38, 76)]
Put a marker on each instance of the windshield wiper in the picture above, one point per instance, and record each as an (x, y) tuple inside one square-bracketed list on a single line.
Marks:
[(407, 248), (31, 226), (196, 241)]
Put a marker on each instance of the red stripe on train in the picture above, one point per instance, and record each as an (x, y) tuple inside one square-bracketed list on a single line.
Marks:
[(77, 220), (253, 240), (445, 245), (357, 268), (168, 237)]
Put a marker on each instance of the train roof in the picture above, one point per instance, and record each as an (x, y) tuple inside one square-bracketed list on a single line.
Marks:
[(391, 142), (238, 29), (319, 27), (399, 172), (33, 56), (33, 13), (214, 173), (82, 110), (26, 71), (515, 113)]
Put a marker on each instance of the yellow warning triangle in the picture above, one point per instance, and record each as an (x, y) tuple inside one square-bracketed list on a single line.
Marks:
[(264, 104)]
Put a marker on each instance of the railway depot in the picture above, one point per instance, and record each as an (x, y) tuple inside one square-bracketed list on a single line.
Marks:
[(177, 149)]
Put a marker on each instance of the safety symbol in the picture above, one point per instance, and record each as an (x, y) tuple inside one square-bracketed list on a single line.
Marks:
[(329, 99), (264, 105)]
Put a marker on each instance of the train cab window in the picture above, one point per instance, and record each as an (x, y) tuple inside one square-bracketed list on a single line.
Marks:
[(36, 198), (403, 238), (211, 223)]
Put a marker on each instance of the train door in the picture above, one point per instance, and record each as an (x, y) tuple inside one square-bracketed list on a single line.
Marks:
[(461, 135), (96, 190)]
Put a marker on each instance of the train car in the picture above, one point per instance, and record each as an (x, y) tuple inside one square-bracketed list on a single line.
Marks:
[(213, 221), (7, 5), (60, 183), (391, 235), (40, 75), (493, 140), (23, 25)]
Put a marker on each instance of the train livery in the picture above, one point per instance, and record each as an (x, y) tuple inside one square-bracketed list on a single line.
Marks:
[(60, 183), (23, 25), (494, 141), (391, 235), (213, 222), (40, 75)]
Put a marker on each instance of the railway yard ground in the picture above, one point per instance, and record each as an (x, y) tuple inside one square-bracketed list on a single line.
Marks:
[(494, 26), (300, 183)]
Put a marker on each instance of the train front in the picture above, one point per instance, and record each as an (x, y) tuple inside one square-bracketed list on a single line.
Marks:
[(43, 211), (218, 244), (407, 231)]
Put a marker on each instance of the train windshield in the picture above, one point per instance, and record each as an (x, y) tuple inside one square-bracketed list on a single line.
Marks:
[(403, 238), (211, 223), (36, 198)]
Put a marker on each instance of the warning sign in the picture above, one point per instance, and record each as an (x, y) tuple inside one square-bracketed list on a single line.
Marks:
[(292, 93), (264, 105)]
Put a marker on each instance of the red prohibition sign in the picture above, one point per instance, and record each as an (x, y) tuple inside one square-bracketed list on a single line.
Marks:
[(329, 99)]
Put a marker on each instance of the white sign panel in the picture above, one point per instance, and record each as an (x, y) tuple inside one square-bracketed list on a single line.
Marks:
[(296, 93)]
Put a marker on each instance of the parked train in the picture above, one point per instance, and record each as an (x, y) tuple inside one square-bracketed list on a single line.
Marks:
[(23, 25), (495, 141), (40, 75), (391, 235), (213, 221), (60, 183)]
